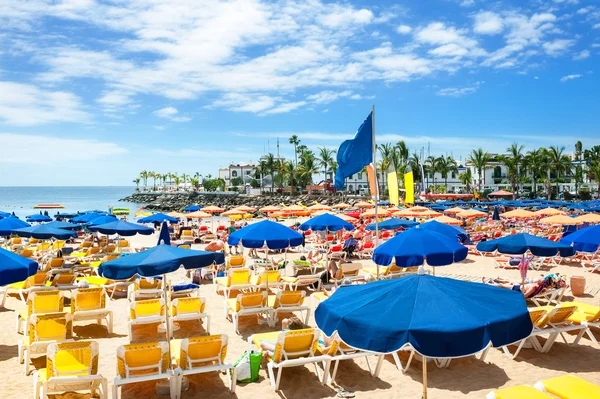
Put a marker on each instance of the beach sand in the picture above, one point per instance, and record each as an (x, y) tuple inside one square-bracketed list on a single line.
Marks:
[(464, 378)]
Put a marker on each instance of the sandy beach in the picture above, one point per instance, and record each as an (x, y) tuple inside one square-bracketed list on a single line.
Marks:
[(464, 378)]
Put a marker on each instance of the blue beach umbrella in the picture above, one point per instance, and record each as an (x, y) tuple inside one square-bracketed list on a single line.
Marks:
[(416, 246), (455, 232), (4, 214), (158, 260), (63, 216), (192, 208), (63, 225), (10, 224), (38, 218), (86, 217), (158, 217), (164, 237), (586, 239), (325, 222), (392, 224), (273, 234), (44, 232), (14, 268), (437, 317), (122, 228), (518, 244), (102, 220)]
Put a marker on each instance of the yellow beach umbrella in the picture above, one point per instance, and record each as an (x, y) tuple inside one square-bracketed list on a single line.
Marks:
[(446, 220), (213, 209), (427, 213), (232, 212), (364, 204), (270, 208), (197, 215), (589, 218), (342, 205), (561, 220), (245, 208), (549, 212), (381, 212), (406, 213), (319, 207), (471, 213), (177, 215), (456, 209), (419, 208), (518, 214)]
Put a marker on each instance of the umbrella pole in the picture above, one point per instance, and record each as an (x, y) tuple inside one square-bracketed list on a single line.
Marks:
[(424, 377)]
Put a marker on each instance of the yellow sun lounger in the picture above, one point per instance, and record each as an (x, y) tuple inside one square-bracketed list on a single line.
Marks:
[(569, 387), (236, 279), (518, 392), (247, 304), (39, 302), (24, 287), (148, 311), (203, 354), (145, 362), (90, 304), (71, 366), (587, 316), (186, 309), (43, 330), (287, 302)]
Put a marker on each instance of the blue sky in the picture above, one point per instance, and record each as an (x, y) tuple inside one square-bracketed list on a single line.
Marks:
[(92, 92)]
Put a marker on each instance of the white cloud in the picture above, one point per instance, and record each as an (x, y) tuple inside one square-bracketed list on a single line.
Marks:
[(340, 15), (583, 10), (326, 97), (245, 103), (285, 107), (570, 77), (171, 114), (596, 26), (449, 50), (28, 105), (459, 91), (558, 46), (488, 23), (467, 3), (581, 55), (37, 149), (404, 29)]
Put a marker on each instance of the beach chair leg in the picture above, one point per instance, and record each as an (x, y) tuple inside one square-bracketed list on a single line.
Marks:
[(232, 379), (369, 365), (378, 366), (36, 387), (115, 392), (207, 324), (484, 353), (307, 316), (326, 366), (26, 361), (104, 388), (234, 318), (548, 344), (334, 372), (581, 334), (4, 292)]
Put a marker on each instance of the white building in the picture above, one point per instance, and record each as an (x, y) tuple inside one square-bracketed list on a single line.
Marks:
[(245, 171)]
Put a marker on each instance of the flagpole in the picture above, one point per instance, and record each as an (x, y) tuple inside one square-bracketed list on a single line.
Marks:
[(376, 183)]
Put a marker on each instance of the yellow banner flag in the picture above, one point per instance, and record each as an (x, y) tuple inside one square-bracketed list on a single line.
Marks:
[(409, 185), (392, 180), (372, 182), (475, 194)]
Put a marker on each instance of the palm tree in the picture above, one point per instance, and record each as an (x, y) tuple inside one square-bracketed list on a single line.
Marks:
[(152, 175), (578, 169), (402, 151), (432, 167), (445, 165), (535, 162), (177, 181), (479, 159), (288, 169), (301, 149), (594, 173), (324, 159), (515, 154), (270, 166), (308, 167), (466, 178), (195, 182), (185, 178), (387, 152), (137, 183), (144, 176), (414, 163), (295, 141), (558, 162)]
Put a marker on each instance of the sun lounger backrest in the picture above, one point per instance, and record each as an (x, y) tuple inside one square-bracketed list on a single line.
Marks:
[(251, 300), (38, 279), (536, 314), (289, 298), (64, 278), (49, 327), (236, 261), (147, 307), (238, 276), (188, 305), (88, 299), (202, 350), (142, 359), (557, 315), (72, 359), (45, 302), (292, 344)]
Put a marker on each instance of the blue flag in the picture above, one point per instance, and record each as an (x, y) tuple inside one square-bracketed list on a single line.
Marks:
[(355, 154)]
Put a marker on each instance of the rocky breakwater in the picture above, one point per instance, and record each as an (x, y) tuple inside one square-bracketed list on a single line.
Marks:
[(179, 201)]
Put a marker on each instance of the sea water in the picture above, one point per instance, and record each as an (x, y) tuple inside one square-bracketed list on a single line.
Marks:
[(21, 200)]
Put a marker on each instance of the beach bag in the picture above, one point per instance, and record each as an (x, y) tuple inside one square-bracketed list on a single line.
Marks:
[(248, 366)]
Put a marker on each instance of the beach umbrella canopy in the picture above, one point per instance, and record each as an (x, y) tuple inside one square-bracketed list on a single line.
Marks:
[(122, 228), (233, 212), (87, 217), (158, 217), (4, 214), (586, 239), (43, 232), (15, 268), (370, 213), (198, 215), (363, 204), (392, 224), (416, 246), (39, 218), (266, 232), (326, 221), (269, 209), (456, 209), (419, 208), (549, 212), (158, 260), (471, 213), (102, 220), (212, 209), (589, 218), (192, 208), (245, 208), (64, 225), (319, 207), (10, 224), (501, 193), (562, 220), (518, 244), (427, 213), (164, 237), (519, 214), (438, 317), (177, 215), (447, 220), (342, 205), (445, 229)]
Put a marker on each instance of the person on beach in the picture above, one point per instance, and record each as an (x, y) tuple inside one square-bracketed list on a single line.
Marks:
[(292, 323), (231, 229)]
